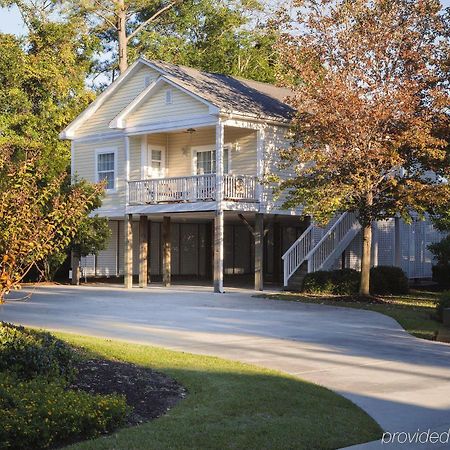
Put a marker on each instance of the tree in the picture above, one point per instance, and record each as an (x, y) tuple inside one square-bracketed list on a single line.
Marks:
[(42, 88), (207, 34), (91, 237), (371, 93), (37, 217)]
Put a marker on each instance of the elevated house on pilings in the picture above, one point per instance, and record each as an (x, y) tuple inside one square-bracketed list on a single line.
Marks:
[(183, 154)]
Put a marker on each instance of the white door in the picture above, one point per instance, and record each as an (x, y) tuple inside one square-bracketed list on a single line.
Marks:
[(156, 158)]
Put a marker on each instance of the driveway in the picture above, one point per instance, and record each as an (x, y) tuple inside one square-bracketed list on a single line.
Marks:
[(401, 381)]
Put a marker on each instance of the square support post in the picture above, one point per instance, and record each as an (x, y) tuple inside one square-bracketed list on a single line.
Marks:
[(167, 251), (219, 217), (218, 252), (277, 253), (259, 251), (128, 251), (143, 251), (75, 268)]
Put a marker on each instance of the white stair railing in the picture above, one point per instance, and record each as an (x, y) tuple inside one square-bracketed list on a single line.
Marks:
[(318, 253), (346, 226), (296, 254)]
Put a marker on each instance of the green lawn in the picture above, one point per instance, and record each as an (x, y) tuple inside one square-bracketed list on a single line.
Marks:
[(412, 311), (232, 406)]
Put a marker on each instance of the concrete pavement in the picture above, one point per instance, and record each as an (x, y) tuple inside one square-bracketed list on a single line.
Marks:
[(401, 381)]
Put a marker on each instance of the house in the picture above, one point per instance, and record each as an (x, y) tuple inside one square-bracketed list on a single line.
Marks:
[(182, 153)]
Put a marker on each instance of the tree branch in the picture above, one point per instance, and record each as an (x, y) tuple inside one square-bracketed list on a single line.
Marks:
[(151, 19)]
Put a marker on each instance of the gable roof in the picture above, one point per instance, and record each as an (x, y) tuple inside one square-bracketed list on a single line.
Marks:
[(228, 94), (248, 97)]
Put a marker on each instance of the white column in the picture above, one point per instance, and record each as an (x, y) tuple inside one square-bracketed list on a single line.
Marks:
[(127, 169), (260, 161), (219, 219)]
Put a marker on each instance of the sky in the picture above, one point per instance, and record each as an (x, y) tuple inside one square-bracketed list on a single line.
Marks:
[(11, 22)]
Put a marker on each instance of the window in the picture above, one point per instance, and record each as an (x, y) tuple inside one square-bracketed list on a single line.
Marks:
[(169, 97), (106, 168), (157, 163), (206, 161)]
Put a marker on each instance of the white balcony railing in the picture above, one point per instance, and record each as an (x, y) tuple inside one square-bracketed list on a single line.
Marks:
[(196, 188)]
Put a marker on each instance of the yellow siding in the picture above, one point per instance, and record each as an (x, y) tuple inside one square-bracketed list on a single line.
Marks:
[(84, 166), (133, 86), (154, 108), (182, 145), (275, 140)]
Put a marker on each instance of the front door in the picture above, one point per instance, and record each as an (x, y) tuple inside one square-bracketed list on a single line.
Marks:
[(156, 157)]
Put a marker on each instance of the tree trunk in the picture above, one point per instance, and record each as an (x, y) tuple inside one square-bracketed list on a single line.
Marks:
[(122, 35), (365, 260)]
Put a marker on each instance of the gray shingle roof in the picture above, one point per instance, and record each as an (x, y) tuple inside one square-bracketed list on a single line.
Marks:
[(231, 93)]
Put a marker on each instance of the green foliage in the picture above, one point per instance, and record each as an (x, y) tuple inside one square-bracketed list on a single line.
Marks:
[(335, 282), (92, 236), (38, 414), (441, 251), (441, 275), (383, 280), (444, 302), (29, 353), (215, 36), (441, 271), (42, 88), (388, 280), (38, 217)]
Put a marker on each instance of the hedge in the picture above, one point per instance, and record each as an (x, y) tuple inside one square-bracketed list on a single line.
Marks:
[(38, 413), (383, 280), (30, 353)]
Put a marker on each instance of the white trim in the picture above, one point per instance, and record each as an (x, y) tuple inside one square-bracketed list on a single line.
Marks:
[(173, 125), (260, 161), (100, 137), (119, 120), (171, 207), (103, 151), (127, 169), (72, 162), (68, 132)]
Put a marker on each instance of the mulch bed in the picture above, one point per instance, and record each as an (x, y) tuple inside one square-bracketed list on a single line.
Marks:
[(151, 394)]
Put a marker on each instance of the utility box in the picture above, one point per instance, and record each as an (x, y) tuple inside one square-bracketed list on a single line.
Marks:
[(446, 317)]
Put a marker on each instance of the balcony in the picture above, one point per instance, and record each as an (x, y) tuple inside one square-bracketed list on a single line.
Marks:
[(199, 188)]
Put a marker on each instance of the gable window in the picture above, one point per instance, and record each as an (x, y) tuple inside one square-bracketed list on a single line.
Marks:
[(169, 97), (106, 168), (206, 161)]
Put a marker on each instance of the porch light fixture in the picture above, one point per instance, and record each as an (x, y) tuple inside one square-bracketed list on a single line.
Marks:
[(187, 148)]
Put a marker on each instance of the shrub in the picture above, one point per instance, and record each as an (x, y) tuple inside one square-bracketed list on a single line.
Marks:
[(444, 302), (30, 353), (441, 275), (38, 414), (441, 271), (337, 282), (388, 280)]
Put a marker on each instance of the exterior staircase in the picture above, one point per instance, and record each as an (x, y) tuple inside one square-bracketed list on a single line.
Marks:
[(318, 249)]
